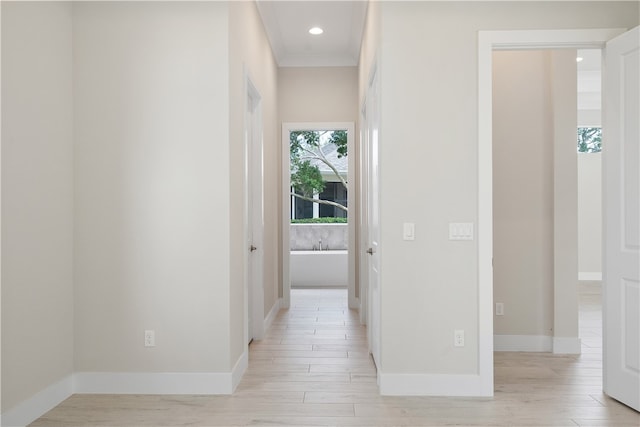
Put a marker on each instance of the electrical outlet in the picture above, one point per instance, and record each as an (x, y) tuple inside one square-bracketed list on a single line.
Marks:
[(499, 309), (149, 338), (458, 338)]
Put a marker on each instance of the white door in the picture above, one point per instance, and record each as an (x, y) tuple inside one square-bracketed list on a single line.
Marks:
[(254, 221), (363, 261), (621, 209), (373, 217)]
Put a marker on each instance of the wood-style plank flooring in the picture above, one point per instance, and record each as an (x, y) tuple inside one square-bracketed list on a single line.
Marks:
[(313, 369)]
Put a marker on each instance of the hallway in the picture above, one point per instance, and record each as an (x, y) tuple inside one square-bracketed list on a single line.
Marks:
[(313, 369), (318, 349)]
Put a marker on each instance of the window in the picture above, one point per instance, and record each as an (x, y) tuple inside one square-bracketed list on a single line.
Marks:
[(318, 161), (303, 208), (335, 192), (589, 140)]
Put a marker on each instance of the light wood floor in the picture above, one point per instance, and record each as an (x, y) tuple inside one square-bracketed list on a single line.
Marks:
[(313, 369)]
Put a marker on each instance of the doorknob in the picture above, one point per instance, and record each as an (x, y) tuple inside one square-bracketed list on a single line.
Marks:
[(252, 248), (370, 251)]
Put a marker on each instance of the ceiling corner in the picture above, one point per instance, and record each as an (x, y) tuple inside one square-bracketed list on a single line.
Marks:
[(271, 28)]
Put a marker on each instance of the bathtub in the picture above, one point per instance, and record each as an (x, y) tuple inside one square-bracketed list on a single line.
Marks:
[(311, 269)]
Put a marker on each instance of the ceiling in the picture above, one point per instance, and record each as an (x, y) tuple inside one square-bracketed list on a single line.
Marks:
[(287, 24)]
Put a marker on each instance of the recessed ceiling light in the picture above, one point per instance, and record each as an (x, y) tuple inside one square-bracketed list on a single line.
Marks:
[(316, 31), (579, 59)]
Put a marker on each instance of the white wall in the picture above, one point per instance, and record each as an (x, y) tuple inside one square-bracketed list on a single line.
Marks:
[(590, 88), (37, 199), (318, 94), (523, 192), (250, 52), (590, 203), (429, 113), (369, 49), (589, 118), (565, 201), (151, 103), (590, 215)]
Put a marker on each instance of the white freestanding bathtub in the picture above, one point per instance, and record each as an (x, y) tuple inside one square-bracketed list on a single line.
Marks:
[(314, 269)]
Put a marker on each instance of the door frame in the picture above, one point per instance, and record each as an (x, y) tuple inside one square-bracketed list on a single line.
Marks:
[(363, 230), (488, 41), (287, 128), (254, 220), (371, 115)]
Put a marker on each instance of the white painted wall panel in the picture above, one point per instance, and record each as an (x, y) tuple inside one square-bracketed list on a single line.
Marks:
[(590, 213), (37, 198), (428, 166), (151, 104)]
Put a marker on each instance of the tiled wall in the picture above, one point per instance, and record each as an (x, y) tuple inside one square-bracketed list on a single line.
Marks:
[(308, 237)]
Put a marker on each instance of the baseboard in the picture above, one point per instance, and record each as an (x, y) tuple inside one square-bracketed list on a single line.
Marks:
[(318, 285), (153, 383), (533, 343), (586, 275), (567, 345), (39, 404), (123, 383), (431, 385), (268, 321), (239, 369)]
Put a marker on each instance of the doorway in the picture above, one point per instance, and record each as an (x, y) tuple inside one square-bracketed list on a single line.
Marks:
[(530, 168), (253, 214), (590, 145), (296, 204), (622, 47), (535, 200), (523, 196)]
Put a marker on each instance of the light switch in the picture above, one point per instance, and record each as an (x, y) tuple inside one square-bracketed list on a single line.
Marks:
[(409, 231), (460, 231)]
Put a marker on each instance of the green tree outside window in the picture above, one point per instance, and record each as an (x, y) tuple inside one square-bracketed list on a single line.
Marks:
[(589, 140)]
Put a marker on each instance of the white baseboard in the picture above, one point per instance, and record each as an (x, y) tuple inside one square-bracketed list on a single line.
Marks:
[(431, 385), (268, 321), (239, 369), (39, 404), (318, 285), (533, 343), (123, 383), (153, 383), (586, 275), (567, 345)]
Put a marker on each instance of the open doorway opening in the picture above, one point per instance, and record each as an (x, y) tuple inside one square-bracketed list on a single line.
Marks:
[(589, 148), (318, 227), (621, 133), (535, 200), (254, 214)]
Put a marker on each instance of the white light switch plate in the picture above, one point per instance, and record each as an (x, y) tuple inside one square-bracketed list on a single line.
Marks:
[(409, 231), (460, 231)]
